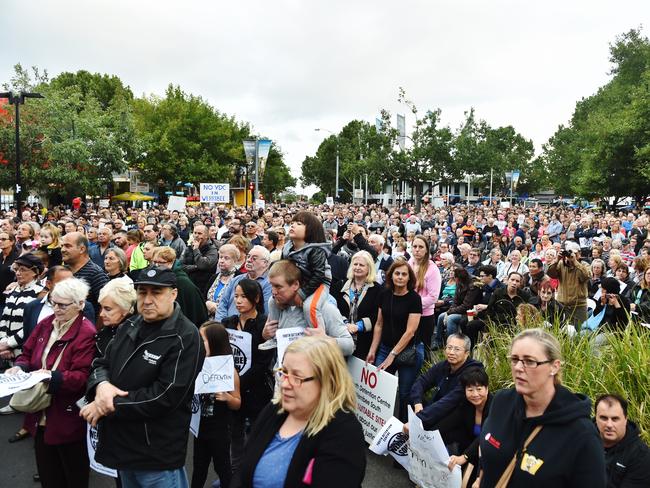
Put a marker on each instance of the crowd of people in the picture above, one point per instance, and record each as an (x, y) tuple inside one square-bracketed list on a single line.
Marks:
[(121, 305)]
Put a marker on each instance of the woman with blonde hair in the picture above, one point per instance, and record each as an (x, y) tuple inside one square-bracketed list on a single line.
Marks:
[(309, 434), (243, 245), (358, 300), (543, 434)]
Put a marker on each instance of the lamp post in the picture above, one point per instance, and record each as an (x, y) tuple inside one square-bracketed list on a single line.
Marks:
[(336, 191), (18, 99)]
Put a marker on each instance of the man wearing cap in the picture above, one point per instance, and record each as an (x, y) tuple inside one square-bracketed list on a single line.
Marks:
[(143, 386)]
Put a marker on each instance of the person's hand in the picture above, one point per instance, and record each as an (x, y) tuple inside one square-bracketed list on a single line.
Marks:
[(14, 370), (104, 395), (7, 354), (353, 329), (370, 358), (418, 407), (613, 300), (387, 362), (90, 414), (405, 428), (633, 307), (270, 328), (211, 306), (346, 236), (196, 244), (42, 370), (456, 460), (480, 307), (315, 332), (222, 396)]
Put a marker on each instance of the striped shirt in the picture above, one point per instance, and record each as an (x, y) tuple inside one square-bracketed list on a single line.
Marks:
[(96, 278), (11, 323)]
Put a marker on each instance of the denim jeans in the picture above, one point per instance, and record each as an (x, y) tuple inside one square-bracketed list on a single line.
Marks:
[(453, 327), (175, 478), (406, 376)]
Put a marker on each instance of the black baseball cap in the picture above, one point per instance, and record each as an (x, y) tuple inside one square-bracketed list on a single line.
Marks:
[(30, 260), (156, 276)]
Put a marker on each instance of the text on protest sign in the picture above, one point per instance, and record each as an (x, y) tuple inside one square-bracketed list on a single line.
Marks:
[(218, 374), (195, 420), (91, 444), (215, 192), (392, 440), (242, 344), (286, 337), (376, 391), (11, 383)]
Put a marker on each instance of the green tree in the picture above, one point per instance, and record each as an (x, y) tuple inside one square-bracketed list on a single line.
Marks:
[(277, 177)]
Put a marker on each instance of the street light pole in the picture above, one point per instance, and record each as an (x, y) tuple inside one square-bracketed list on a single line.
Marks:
[(18, 99), (336, 191)]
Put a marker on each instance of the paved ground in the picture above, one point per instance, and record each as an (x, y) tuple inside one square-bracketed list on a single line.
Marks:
[(18, 463)]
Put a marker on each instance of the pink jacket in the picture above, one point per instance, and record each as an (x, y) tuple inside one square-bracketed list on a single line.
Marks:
[(431, 290), (68, 383)]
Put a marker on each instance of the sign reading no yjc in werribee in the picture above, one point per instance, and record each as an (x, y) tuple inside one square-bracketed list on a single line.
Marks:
[(215, 192)]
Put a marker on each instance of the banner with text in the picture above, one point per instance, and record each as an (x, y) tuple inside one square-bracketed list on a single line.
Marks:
[(11, 383), (376, 391), (242, 344), (218, 374), (286, 337), (91, 444), (214, 192), (392, 440)]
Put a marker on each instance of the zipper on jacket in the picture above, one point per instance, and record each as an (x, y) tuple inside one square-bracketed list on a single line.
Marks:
[(146, 434), (138, 348)]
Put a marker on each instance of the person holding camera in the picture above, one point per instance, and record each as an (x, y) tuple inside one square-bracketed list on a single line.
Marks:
[(573, 277)]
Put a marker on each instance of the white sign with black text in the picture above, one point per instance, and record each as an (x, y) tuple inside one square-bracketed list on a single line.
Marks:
[(242, 345), (218, 374), (91, 443), (286, 337)]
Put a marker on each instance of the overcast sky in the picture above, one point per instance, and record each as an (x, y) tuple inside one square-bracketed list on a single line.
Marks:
[(289, 66)]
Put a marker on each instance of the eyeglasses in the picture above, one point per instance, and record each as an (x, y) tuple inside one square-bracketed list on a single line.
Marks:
[(454, 349), (254, 258), (62, 306), (295, 381), (159, 262), (4, 239), (527, 362)]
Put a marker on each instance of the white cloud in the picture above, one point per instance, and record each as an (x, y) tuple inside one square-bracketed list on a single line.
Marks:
[(288, 67)]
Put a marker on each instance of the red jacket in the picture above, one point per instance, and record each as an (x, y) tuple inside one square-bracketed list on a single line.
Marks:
[(68, 383)]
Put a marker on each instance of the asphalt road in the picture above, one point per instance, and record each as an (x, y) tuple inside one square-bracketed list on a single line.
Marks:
[(18, 464)]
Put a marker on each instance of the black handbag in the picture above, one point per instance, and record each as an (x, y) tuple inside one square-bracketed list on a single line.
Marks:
[(407, 358)]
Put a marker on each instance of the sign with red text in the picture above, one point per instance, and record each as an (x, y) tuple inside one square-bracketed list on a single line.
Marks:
[(376, 391)]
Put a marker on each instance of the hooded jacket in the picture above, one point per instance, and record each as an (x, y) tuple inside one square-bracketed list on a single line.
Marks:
[(448, 392), (627, 462), (567, 452), (149, 427)]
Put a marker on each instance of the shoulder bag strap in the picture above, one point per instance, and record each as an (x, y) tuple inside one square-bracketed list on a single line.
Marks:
[(58, 359), (507, 474)]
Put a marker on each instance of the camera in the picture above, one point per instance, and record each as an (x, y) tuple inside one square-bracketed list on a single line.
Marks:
[(566, 253)]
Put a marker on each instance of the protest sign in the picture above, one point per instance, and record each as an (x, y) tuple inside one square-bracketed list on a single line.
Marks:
[(242, 344), (286, 337), (195, 420), (11, 383), (392, 440), (218, 374), (429, 457), (176, 203), (214, 192), (91, 444), (376, 391)]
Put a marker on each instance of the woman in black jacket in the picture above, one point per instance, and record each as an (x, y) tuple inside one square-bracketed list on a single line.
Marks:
[(256, 381), (460, 430), (467, 295), (358, 301), (309, 435)]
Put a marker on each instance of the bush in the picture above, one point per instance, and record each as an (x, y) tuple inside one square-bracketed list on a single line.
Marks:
[(621, 365)]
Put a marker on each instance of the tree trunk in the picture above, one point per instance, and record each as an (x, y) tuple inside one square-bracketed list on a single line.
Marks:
[(417, 187)]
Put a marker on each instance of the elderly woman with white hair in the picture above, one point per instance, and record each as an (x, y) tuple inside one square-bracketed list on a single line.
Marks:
[(227, 267), (358, 300), (117, 301), (116, 263), (63, 347)]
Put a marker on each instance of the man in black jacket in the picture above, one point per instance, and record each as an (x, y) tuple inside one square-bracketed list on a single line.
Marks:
[(200, 259), (627, 458), (143, 387)]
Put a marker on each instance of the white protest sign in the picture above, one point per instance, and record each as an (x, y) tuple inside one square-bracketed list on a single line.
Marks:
[(104, 203), (218, 374), (195, 420), (215, 192), (376, 391), (286, 337), (91, 444), (260, 204), (429, 457), (176, 203), (242, 346), (11, 383), (392, 440), (329, 201)]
